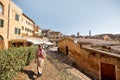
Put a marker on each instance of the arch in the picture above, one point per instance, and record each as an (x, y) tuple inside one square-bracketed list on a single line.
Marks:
[(1, 8), (1, 38), (1, 42)]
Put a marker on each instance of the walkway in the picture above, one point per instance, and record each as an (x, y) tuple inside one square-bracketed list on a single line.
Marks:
[(53, 70)]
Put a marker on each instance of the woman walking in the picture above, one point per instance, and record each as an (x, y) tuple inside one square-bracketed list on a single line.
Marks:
[(40, 57)]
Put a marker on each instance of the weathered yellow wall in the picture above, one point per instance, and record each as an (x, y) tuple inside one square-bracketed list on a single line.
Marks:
[(87, 60), (25, 24), (3, 31), (8, 31), (14, 9)]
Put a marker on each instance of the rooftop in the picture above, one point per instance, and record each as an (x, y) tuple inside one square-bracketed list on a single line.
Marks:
[(111, 48), (98, 42)]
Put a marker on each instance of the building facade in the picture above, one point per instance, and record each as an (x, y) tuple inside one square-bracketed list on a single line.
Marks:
[(15, 21), (28, 25), (15, 26), (45, 32), (4, 16), (54, 37), (37, 31)]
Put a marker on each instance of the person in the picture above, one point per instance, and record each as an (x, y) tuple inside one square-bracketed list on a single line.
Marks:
[(39, 58)]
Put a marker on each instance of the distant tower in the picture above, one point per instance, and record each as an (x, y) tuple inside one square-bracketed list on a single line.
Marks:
[(89, 33), (78, 34)]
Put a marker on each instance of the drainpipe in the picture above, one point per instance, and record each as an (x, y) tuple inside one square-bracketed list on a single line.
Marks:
[(8, 20)]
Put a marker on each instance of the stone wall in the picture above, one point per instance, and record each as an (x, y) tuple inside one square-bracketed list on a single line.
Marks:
[(88, 60)]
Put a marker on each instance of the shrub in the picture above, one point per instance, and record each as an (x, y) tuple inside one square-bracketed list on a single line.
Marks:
[(13, 60)]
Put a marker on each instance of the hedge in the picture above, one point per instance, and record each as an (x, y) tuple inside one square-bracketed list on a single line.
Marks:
[(13, 60)]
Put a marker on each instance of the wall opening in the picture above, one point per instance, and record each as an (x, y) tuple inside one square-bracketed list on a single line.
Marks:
[(108, 72), (1, 42), (66, 50)]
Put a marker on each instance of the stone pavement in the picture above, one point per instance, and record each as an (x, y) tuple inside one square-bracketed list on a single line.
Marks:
[(77, 73)]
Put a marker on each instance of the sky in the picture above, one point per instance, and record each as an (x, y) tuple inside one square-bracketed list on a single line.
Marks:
[(72, 16)]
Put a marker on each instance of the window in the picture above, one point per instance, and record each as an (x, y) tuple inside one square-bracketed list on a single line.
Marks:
[(1, 22), (1, 8), (22, 27), (56, 37), (25, 29), (22, 19), (17, 30), (16, 17), (1, 38), (26, 22)]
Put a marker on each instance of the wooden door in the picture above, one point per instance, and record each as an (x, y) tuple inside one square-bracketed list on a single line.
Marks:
[(108, 72), (1, 44)]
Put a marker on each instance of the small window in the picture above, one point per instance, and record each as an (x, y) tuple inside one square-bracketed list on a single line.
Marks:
[(1, 23), (1, 8), (16, 17), (22, 28), (25, 29), (56, 37), (17, 30), (22, 19)]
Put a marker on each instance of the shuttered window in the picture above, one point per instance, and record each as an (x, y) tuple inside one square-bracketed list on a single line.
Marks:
[(17, 30), (1, 23), (16, 17)]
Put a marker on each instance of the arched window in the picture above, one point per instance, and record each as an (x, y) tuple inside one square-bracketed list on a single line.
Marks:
[(1, 8), (1, 38)]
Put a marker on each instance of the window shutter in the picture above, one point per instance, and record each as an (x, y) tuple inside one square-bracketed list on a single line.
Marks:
[(1, 23)]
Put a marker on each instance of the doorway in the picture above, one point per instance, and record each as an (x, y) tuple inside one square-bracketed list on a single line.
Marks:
[(108, 72), (1, 42), (66, 50)]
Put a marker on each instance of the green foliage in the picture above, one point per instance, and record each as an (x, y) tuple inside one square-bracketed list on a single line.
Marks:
[(13, 60)]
